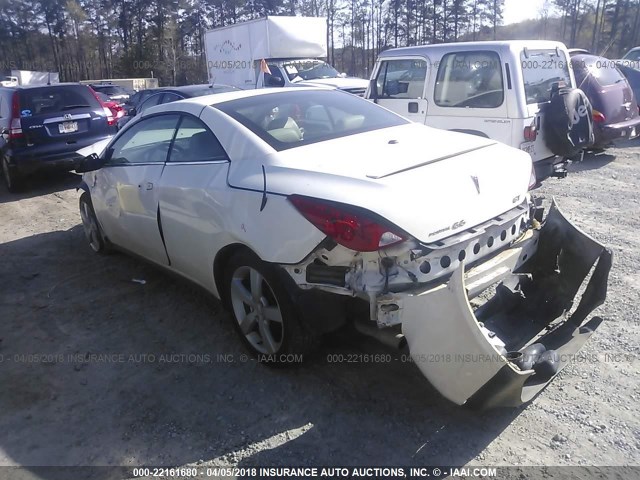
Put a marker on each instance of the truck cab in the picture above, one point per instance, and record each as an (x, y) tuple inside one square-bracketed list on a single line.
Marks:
[(9, 82), (307, 72), (275, 51), (497, 90)]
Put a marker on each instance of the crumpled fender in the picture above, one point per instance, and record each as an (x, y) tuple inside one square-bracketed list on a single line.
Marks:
[(453, 351)]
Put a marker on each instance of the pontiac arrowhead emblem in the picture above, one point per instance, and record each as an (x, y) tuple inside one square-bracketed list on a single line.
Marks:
[(476, 183), (67, 116)]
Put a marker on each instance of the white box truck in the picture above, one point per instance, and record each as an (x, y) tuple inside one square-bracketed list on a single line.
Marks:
[(276, 51)]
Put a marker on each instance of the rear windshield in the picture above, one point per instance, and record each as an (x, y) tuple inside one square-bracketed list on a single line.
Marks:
[(291, 119), (56, 99), (541, 69), (605, 72), (110, 89)]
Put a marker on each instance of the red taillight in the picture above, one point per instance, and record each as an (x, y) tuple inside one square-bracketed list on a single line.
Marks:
[(15, 125), (352, 227), (598, 117), (530, 133), (111, 120)]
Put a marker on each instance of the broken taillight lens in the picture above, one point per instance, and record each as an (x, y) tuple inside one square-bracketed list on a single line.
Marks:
[(353, 227)]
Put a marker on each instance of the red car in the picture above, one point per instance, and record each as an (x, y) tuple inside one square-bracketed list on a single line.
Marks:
[(117, 111)]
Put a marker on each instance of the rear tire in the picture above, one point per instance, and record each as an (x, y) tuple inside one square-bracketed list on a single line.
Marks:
[(92, 230), (263, 312), (12, 179)]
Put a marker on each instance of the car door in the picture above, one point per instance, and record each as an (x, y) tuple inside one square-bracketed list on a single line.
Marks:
[(125, 190), (400, 87), (192, 190)]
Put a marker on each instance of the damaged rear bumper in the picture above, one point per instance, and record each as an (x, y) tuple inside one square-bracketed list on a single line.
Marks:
[(462, 350)]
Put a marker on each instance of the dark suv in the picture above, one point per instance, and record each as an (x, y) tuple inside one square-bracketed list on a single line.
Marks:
[(42, 127)]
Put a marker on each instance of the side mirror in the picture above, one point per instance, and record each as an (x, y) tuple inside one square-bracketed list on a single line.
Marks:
[(132, 112), (4, 131), (273, 80), (90, 163)]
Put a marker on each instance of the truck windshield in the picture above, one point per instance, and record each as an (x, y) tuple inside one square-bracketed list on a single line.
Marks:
[(292, 119), (298, 70)]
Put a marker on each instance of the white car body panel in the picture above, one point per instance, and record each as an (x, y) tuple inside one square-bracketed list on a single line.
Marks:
[(460, 199), (95, 148), (126, 203), (369, 180), (343, 83)]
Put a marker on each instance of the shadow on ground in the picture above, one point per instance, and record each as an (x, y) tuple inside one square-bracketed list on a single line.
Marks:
[(592, 161), (98, 369), (41, 184)]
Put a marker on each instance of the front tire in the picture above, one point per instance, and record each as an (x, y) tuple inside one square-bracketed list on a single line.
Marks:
[(263, 312), (92, 230)]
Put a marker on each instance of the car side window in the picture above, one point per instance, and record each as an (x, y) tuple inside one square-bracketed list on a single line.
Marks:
[(171, 97), (151, 101), (402, 78), (147, 141), (469, 80), (194, 142)]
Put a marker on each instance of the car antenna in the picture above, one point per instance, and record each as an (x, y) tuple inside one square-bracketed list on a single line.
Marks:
[(264, 189), (48, 78), (213, 81)]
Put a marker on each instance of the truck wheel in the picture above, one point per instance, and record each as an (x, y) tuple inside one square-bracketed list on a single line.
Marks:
[(263, 312), (90, 225), (12, 179)]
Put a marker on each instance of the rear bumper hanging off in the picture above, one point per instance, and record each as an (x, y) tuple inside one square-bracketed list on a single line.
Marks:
[(462, 351)]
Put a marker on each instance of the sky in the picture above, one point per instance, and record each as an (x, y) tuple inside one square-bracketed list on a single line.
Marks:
[(517, 10)]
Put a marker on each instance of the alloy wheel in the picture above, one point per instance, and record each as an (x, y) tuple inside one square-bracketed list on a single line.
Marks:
[(256, 310)]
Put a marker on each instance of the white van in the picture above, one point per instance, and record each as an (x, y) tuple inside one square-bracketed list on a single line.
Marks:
[(499, 90)]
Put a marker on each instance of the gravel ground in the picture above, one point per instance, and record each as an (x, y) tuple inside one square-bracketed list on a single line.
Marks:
[(98, 369)]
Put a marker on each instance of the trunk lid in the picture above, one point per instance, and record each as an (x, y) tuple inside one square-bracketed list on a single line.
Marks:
[(431, 183)]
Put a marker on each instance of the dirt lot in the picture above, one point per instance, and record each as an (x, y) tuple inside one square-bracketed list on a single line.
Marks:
[(98, 369)]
